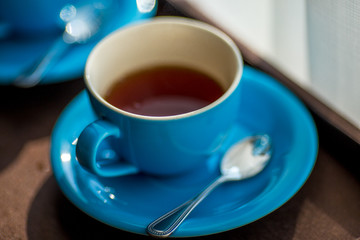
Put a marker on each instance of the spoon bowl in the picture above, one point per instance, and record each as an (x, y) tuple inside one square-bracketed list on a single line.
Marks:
[(246, 158), (243, 160)]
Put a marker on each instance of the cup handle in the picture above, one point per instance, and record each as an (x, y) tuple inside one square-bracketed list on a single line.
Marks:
[(88, 146)]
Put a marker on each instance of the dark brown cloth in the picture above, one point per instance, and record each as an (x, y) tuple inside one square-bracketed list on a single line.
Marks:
[(33, 207)]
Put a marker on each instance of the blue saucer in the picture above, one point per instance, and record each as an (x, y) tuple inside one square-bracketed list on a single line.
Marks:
[(130, 203), (16, 55)]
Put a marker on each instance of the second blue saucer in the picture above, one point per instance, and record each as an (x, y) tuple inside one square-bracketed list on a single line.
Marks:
[(16, 55)]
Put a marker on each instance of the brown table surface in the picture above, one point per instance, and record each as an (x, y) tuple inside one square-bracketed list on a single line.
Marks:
[(33, 207)]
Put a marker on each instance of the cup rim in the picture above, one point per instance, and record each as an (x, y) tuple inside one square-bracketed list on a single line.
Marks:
[(172, 20)]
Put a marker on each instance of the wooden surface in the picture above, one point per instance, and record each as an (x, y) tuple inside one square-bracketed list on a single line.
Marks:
[(33, 207)]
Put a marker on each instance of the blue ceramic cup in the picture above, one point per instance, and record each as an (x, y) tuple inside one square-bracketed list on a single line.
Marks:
[(121, 142)]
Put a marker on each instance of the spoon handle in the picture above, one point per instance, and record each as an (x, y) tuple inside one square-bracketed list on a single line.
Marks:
[(165, 225), (36, 72)]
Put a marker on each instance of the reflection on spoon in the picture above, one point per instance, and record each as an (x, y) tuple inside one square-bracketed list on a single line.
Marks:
[(243, 160), (145, 6)]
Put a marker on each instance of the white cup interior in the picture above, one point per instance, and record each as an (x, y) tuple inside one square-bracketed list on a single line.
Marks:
[(164, 41)]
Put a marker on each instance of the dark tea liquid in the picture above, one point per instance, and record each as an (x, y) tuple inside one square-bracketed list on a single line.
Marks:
[(164, 91)]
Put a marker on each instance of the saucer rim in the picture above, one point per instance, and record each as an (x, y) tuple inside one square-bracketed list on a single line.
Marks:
[(223, 226)]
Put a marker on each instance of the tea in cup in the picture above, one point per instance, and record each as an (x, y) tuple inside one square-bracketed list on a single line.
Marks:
[(149, 92), (167, 94)]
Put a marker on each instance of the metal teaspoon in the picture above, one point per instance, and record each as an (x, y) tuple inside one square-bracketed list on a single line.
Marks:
[(243, 160)]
